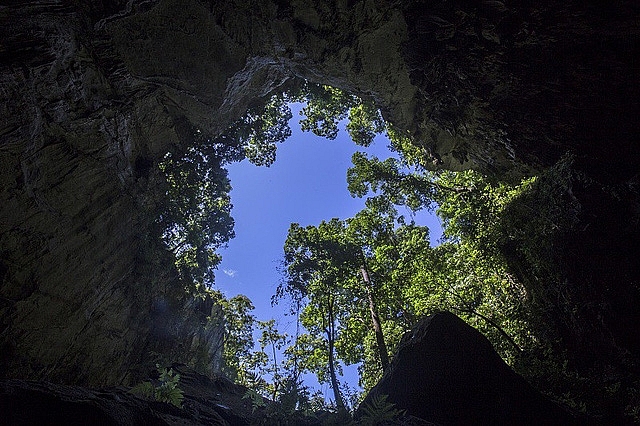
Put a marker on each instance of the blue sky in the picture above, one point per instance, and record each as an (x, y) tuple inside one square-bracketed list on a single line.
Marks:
[(306, 184)]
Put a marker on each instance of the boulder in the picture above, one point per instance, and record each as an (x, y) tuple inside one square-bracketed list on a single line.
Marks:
[(446, 372)]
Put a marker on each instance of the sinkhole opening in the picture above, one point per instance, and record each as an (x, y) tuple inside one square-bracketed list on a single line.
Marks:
[(321, 252)]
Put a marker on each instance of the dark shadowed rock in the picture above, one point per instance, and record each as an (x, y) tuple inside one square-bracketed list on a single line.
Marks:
[(207, 401), (446, 372)]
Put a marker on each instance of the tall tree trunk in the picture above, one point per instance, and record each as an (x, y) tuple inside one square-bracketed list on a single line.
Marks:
[(276, 374), (330, 330), (375, 320)]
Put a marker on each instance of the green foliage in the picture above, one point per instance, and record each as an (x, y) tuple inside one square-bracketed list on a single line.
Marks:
[(238, 339), (165, 389), (533, 224), (261, 131), (465, 275), (324, 270), (257, 400), (326, 107), (379, 411), (266, 360), (318, 260), (171, 395), (259, 369), (392, 179), (196, 216), (144, 390), (468, 274), (365, 122), (496, 267), (292, 395), (195, 213)]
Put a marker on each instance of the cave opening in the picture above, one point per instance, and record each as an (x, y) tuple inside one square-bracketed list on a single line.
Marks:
[(466, 270), (111, 218)]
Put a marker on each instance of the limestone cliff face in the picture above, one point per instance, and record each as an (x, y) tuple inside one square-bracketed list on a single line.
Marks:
[(85, 294), (92, 96)]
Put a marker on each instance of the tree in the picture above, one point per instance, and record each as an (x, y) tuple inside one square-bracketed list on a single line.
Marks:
[(468, 274), (195, 217), (270, 337), (195, 210), (315, 263), (260, 130), (327, 106), (342, 271), (372, 232), (365, 280), (402, 184), (238, 323)]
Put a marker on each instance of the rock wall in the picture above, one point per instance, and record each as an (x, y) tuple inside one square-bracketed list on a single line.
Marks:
[(207, 401), (93, 95), (83, 286)]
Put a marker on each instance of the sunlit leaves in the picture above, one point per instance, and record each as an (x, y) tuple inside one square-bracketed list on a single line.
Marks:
[(196, 214), (326, 261), (365, 122), (467, 274), (391, 179), (326, 107), (265, 129), (473, 214)]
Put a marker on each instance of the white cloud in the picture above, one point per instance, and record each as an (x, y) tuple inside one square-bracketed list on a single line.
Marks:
[(230, 272)]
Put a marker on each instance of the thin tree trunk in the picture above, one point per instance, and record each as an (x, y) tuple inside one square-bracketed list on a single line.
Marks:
[(330, 330), (494, 325), (334, 379), (296, 373), (375, 321), (487, 319), (276, 375)]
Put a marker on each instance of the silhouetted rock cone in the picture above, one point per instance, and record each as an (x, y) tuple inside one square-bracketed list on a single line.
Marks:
[(447, 372)]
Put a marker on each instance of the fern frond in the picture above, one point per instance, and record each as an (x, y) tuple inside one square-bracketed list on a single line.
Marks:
[(144, 390), (170, 394), (379, 411)]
